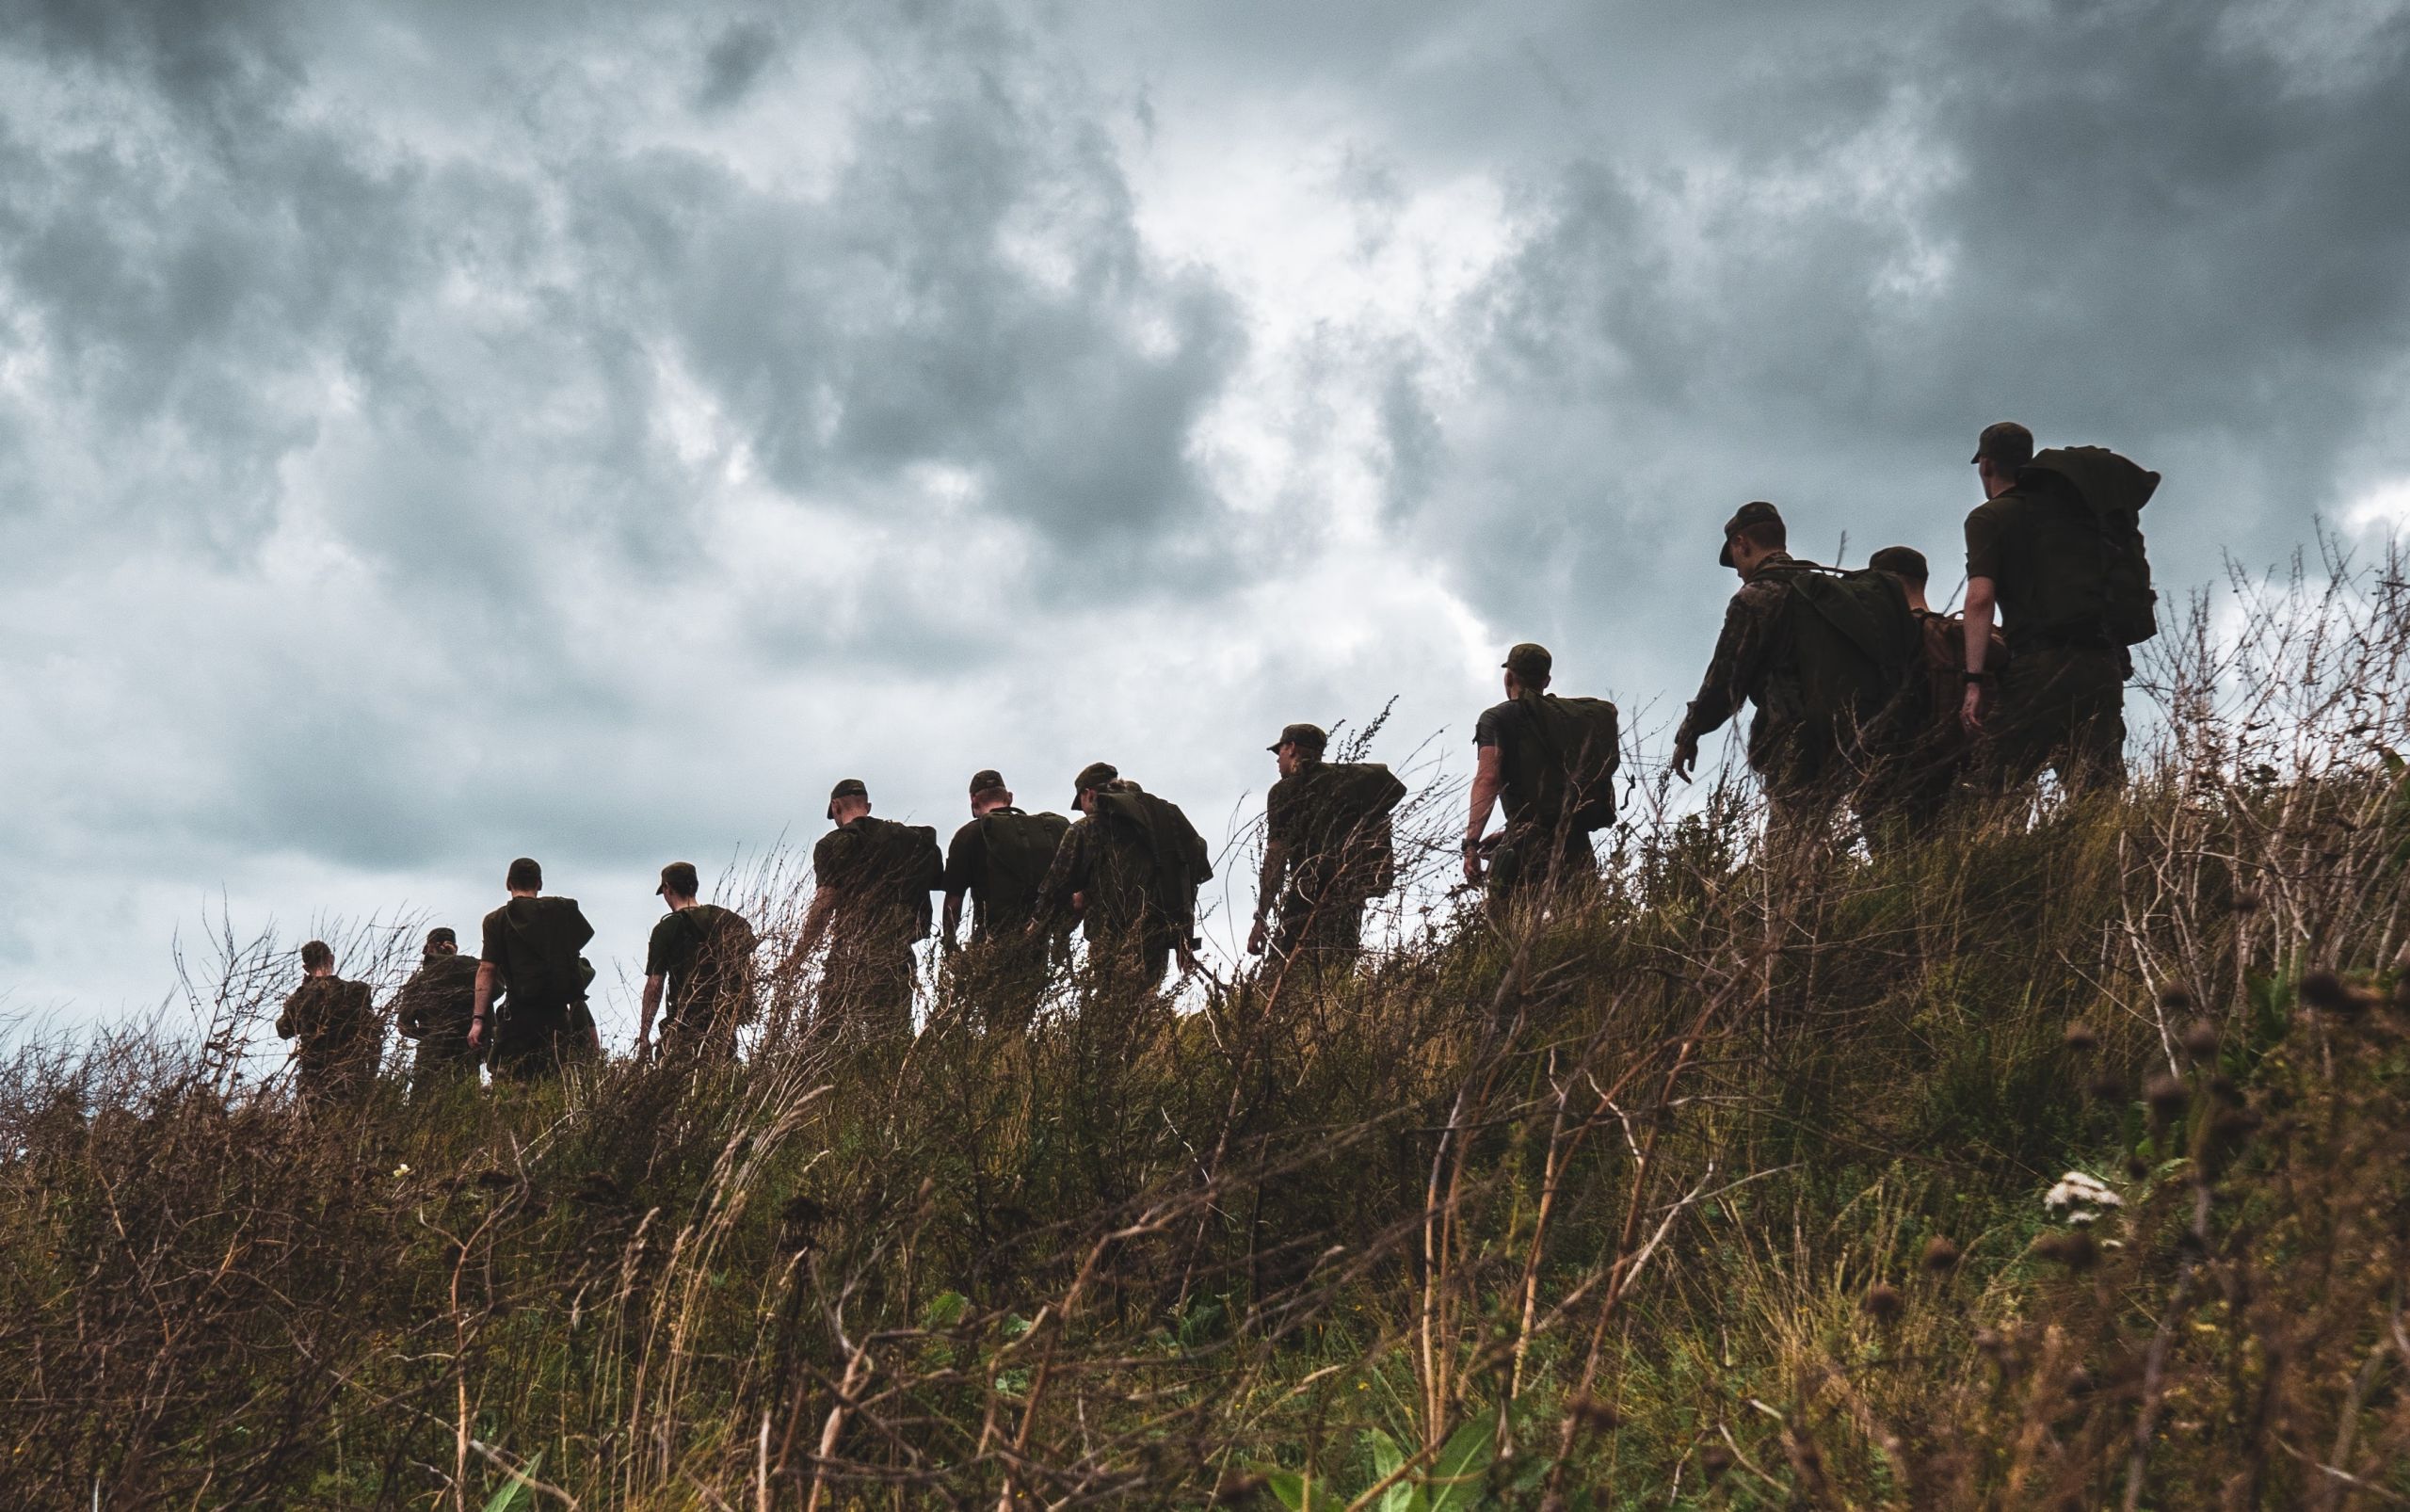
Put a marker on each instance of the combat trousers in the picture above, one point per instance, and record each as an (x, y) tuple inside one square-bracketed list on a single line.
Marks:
[(532, 1043), (2061, 707), (866, 992), (1534, 865), (443, 1057), (1325, 932), (1001, 979)]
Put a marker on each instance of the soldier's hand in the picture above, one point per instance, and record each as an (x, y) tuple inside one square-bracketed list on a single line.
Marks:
[(1970, 709), (1685, 757), (1473, 865), (1257, 938), (477, 1033)]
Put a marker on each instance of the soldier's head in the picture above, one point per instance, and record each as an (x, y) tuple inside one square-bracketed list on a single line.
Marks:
[(318, 958), (442, 941), (1094, 777), (1529, 666), (989, 792), (1907, 564), (679, 884), (524, 878), (1754, 533), (2000, 453), (848, 800), (1298, 747)]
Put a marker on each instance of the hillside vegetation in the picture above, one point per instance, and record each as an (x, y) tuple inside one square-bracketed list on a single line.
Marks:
[(1726, 1188)]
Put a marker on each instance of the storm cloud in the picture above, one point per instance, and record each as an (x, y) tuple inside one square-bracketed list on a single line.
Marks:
[(433, 433)]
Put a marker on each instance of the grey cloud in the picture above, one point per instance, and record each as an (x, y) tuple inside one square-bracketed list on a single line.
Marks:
[(734, 61)]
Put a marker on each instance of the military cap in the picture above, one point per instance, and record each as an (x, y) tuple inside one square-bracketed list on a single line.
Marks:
[(2004, 441), (679, 877), (1094, 775), (982, 782), (1530, 662), (1905, 562), (1755, 512), (851, 787), (441, 935), (1309, 737)]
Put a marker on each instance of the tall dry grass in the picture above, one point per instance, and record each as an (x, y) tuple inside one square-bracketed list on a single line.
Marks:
[(1720, 1186)]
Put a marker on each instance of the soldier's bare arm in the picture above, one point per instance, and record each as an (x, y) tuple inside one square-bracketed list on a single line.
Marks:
[(1267, 891), (650, 1005), (1488, 781), (953, 916), (815, 924), (1982, 602), (481, 1003)]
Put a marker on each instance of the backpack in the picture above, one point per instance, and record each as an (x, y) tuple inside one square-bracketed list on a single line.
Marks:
[(1566, 770), (1361, 796), (1181, 862), (2094, 580), (545, 970), (1945, 662), (910, 859), (1856, 644), (1021, 847), (719, 983)]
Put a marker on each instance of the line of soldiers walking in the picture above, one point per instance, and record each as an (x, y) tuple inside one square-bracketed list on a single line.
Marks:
[(1862, 693)]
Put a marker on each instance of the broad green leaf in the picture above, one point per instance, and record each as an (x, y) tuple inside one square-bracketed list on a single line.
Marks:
[(1463, 1464), (944, 1310), (1293, 1491), (1387, 1457), (514, 1488)]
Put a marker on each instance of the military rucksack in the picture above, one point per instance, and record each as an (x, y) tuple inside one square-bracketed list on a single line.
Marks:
[(1855, 645), (1181, 862), (1361, 798), (1021, 847), (910, 862), (1566, 773), (719, 981), (2093, 582)]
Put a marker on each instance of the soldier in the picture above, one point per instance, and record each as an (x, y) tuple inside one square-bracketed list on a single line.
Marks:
[(1828, 686), (335, 1034), (2062, 695), (1129, 867), (434, 1007), (1939, 751), (998, 861), (1538, 853), (698, 967), (530, 946), (872, 903), (1326, 850)]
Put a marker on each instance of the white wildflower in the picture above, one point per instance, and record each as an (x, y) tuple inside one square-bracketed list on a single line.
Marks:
[(2084, 1197), (401, 1170)]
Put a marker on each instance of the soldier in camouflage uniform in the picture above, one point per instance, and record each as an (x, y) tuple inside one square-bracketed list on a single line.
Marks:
[(996, 864), (1533, 857), (871, 904), (335, 1034), (1129, 867), (2063, 696), (1317, 867), (434, 1008)]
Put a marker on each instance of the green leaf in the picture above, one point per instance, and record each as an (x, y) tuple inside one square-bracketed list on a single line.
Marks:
[(513, 1488), (1457, 1478), (1387, 1457), (944, 1310), (1294, 1491)]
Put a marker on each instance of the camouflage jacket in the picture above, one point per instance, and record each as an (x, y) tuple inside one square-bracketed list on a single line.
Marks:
[(1750, 665), (1113, 866)]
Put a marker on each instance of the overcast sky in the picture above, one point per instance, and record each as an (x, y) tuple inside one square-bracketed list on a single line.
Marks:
[(433, 433)]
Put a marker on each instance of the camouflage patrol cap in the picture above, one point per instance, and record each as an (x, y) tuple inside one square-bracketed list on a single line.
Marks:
[(1755, 512), (441, 935), (1531, 663), (1094, 775), (679, 877), (2006, 442), (1304, 737), (987, 779), (1904, 562), (851, 787)]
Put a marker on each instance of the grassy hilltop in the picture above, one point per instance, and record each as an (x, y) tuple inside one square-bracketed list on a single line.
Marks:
[(1728, 1190)]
